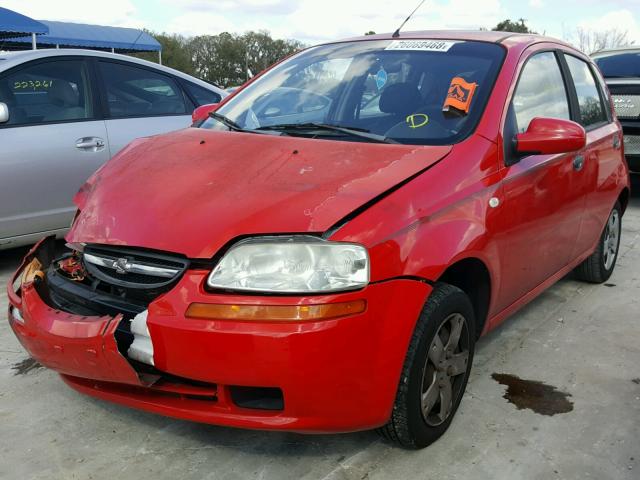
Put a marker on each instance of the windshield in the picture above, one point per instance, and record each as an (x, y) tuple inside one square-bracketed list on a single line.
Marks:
[(620, 65), (425, 92)]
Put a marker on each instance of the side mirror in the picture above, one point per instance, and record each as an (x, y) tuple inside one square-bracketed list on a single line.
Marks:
[(202, 112), (4, 113), (547, 136)]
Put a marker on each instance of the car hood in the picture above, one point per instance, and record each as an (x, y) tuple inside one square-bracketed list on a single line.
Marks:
[(193, 191)]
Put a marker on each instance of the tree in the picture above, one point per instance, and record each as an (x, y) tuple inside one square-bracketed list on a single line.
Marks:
[(226, 59), (591, 41), (218, 59), (518, 26), (175, 53), (370, 32), (263, 51)]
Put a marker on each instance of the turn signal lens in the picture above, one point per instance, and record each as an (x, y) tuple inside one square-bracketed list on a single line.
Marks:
[(275, 313)]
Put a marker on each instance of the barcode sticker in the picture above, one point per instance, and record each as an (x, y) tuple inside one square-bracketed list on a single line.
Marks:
[(422, 45)]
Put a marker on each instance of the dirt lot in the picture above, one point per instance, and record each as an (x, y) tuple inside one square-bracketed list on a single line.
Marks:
[(580, 340)]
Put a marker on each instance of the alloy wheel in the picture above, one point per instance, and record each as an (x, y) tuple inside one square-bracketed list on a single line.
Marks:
[(444, 369), (611, 239)]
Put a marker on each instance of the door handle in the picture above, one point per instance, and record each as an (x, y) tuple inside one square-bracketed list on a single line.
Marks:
[(616, 141), (90, 143), (578, 163)]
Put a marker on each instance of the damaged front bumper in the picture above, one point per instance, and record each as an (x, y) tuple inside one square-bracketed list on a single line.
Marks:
[(311, 376)]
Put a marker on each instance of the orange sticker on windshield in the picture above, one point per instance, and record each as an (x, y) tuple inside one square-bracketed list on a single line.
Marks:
[(459, 95)]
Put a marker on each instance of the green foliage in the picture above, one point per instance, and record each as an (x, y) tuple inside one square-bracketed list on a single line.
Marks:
[(370, 32), (175, 52), (518, 26), (222, 59)]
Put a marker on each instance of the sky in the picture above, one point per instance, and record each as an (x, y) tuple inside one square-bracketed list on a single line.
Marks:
[(315, 21)]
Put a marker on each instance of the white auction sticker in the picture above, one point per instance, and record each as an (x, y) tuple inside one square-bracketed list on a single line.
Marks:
[(422, 45)]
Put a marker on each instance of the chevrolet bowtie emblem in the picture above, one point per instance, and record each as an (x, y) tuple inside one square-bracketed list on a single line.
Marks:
[(121, 265)]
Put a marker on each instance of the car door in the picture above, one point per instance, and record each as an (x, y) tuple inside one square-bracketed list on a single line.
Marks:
[(54, 140), (543, 194), (602, 156), (140, 102)]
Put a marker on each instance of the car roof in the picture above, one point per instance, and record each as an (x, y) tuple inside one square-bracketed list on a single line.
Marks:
[(468, 35), (616, 51), (12, 59)]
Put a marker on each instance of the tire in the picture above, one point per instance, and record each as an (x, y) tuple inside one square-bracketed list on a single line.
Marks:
[(408, 426), (599, 266)]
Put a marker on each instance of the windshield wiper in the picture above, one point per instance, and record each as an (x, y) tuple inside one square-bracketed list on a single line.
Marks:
[(353, 132), (227, 122)]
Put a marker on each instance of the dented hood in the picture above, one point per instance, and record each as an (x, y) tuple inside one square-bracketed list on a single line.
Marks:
[(193, 191)]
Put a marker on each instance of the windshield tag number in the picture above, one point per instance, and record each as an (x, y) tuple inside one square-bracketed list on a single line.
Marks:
[(421, 45)]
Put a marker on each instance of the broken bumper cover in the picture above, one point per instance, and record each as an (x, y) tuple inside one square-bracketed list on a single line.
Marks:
[(335, 375)]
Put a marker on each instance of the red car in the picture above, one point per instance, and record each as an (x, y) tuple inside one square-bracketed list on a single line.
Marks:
[(322, 253)]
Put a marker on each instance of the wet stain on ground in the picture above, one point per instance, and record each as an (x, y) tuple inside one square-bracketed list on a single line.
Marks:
[(537, 396), (25, 366), (636, 381)]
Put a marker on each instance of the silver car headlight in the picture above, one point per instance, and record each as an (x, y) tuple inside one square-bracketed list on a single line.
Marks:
[(293, 264)]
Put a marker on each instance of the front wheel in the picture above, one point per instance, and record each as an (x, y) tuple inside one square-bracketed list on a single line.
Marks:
[(435, 371), (599, 266)]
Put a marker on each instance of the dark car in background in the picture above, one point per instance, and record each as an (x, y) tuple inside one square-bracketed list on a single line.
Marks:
[(621, 70)]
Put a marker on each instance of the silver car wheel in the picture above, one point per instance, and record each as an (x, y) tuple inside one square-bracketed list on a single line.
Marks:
[(611, 239), (444, 369)]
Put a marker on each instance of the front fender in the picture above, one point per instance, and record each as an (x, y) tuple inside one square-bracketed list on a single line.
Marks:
[(437, 219)]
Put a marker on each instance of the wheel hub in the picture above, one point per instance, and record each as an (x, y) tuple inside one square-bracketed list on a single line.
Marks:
[(445, 365), (611, 239)]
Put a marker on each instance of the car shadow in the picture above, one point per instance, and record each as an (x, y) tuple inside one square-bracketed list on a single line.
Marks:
[(635, 189), (257, 442)]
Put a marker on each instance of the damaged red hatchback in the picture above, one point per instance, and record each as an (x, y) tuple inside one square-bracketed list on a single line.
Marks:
[(323, 251)]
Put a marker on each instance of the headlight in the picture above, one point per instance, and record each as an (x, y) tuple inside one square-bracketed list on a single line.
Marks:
[(296, 264)]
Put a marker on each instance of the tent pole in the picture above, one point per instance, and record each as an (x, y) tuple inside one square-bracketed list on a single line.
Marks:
[(33, 42), (160, 57)]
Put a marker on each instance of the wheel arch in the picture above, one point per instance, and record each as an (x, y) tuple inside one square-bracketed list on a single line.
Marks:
[(472, 276), (623, 198)]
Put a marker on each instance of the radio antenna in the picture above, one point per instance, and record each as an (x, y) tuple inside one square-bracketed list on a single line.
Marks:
[(396, 34)]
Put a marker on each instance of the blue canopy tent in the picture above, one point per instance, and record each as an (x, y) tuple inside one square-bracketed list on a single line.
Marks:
[(77, 35), (13, 24)]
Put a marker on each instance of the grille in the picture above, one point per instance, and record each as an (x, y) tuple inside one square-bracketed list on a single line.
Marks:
[(632, 144), (627, 106), (133, 269)]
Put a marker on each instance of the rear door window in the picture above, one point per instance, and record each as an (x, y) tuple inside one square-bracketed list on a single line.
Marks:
[(139, 92), (540, 91), (202, 96), (47, 92), (592, 111)]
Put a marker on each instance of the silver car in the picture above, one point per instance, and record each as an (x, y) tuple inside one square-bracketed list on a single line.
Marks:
[(63, 113)]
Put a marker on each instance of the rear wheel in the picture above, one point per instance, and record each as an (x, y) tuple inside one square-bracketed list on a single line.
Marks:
[(435, 371), (599, 266)]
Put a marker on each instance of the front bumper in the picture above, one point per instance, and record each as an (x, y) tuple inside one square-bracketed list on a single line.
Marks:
[(335, 375)]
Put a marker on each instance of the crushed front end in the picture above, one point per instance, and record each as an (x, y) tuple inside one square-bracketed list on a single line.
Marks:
[(114, 322)]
